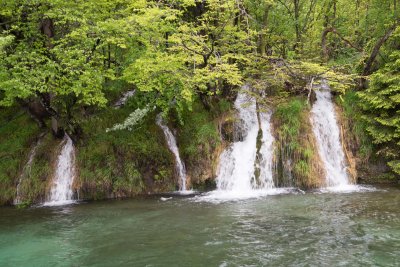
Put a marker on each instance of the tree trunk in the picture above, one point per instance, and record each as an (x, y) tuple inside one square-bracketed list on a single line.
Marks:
[(74, 129), (47, 28), (109, 57), (297, 24), (56, 129), (37, 112), (375, 51), (325, 52), (263, 35)]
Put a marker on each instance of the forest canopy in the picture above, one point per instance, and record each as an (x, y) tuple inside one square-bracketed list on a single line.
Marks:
[(61, 60)]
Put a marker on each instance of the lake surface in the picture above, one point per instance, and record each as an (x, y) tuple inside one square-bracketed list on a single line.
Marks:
[(313, 229)]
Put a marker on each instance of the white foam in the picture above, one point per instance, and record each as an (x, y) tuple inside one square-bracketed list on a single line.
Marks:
[(347, 188), (185, 192), (59, 203), (237, 166), (218, 196)]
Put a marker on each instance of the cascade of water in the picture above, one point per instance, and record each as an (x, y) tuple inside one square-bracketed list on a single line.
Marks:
[(122, 101), (171, 141), (61, 192), (267, 153), (327, 134), (25, 172), (236, 166), (236, 172)]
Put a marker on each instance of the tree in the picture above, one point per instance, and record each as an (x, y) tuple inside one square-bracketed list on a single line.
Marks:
[(381, 102), (57, 56), (192, 49)]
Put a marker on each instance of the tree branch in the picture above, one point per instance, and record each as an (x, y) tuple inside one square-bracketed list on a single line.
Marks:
[(377, 47), (287, 8)]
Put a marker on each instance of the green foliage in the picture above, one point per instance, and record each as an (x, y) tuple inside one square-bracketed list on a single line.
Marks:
[(358, 126), (199, 134), (198, 139), (381, 102), (302, 168), (74, 57)]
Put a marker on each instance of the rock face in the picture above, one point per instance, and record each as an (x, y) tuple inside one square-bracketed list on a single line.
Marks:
[(227, 130), (125, 164), (367, 169)]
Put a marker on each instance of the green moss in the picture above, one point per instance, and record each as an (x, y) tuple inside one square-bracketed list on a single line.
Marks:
[(123, 163), (224, 106), (257, 170), (35, 185), (17, 134), (198, 130), (132, 182), (295, 148)]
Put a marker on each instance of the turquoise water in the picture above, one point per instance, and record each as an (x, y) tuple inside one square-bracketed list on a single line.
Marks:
[(356, 229)]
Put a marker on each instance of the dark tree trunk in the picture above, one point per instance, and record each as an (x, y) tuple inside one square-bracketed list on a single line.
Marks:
[(204, 101), (57, 124), (297, 24), (56, 129), (47, 28), (109, 56), (375, 51), (263, 35), (36, 111), (325, 51)]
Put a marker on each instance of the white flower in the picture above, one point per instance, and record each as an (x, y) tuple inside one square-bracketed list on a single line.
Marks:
[(133, 119)]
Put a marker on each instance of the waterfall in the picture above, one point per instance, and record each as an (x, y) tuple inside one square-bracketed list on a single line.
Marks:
[(171, 141), (25, 173), (236, 177), (61, 192), (124, 98), (327, 134), (236, 166), (267, 153)]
